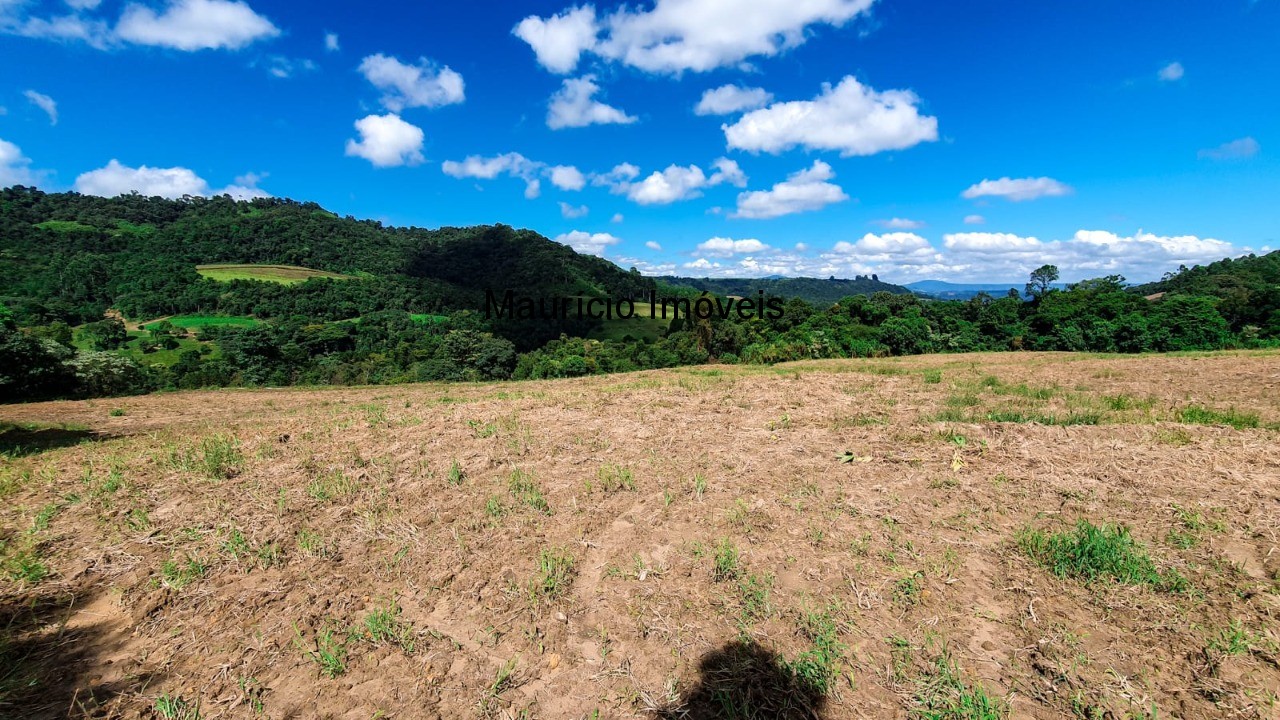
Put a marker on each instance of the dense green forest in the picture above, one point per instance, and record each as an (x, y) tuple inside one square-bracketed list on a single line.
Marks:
[(102, 297)]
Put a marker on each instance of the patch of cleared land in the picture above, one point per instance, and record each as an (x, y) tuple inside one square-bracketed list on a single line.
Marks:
[(196, 322), (965, 536), (285, 274)]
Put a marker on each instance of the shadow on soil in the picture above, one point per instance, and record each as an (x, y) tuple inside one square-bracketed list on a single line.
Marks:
[(745, 681), (49, 668), (18, 441)]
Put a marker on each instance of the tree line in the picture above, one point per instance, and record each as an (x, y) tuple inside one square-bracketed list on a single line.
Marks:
[(71, 265)]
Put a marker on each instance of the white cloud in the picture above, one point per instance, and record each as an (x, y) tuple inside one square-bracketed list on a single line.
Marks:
[(195, 25), (676, 182), (802, 191), (283, 67), (974, 220), (728, 99), (558, 41), (513, 164), (1018, 189), (45, 103), (728, 247), (83, 4), (900, 224), (991, 243), (572, 106), (1088, 253), (117, 179), (1245, 147), (567, 177), (15, 168), (727, 171), (407, 86), (887, 247), (95, 33), (679, 35), (850, 117), (702, 264), (1171, 72), (618, 180), (653, 245), (617, 218), (387, 141), (475, 166), (331, 42), (588, 243), (570, 212)]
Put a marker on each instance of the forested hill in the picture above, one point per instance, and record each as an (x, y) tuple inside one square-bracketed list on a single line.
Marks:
[(69, 257), (1246, 288), (812, 290)]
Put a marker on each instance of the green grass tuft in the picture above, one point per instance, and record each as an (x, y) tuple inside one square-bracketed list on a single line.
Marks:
[(1200, 415), (1090, 552)]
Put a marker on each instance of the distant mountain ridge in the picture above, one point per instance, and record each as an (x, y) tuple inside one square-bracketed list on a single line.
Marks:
[(944, 290)]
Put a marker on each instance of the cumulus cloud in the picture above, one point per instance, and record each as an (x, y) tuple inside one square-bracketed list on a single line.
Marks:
[(900, 224), (195, 25), (727, 171), (406, 86), (174, 182), (1018, 189), (678, 35), (45, 103), (728, 99), (567, 177), (1087, 253), (558, 41), (1245, 147), (996, 257), (850, 117), (653, 245), (974, 220), (513, 164), (573, 106), (570, 212), (617, 218), (618, 180), (475, 166), (728, 247), (331, 42), (387, 141), (802, 191), (1171, 72), (674, 183), (588, 243), (15, 168), (894, 246), (683, 183)]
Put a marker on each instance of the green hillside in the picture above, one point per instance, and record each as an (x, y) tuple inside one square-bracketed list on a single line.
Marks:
[(812, 290)]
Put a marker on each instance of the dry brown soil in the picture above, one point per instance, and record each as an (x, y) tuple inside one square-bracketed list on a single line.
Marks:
[(228, 551)]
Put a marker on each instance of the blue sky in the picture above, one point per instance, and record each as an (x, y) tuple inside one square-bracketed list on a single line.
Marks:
[(959, 141)]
